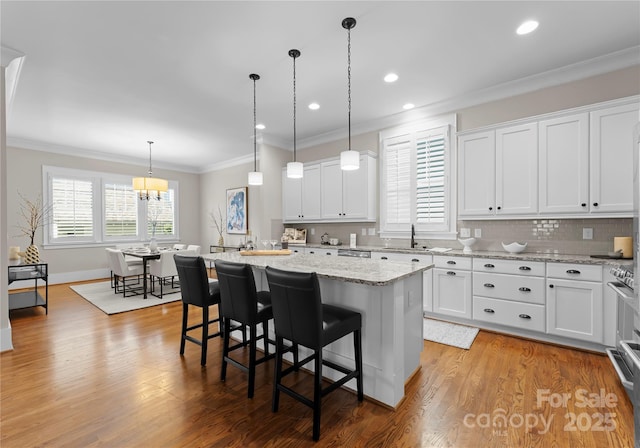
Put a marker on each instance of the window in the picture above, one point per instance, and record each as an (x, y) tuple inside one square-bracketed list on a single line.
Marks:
[(416, 181), (98, 208)]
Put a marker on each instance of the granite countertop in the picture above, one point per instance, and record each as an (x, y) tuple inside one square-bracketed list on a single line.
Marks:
[(523, 256), (356, 270)]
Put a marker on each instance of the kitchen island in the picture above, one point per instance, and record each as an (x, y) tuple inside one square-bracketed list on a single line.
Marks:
[(388, 295)]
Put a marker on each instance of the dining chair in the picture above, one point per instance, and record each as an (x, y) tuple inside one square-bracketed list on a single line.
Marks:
[(300, 317), (195, 248), (123, 272), (197, 290), (179, 246), (163, 271), (242, 304)]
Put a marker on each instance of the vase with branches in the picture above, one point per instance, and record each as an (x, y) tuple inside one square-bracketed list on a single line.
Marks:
[(33, 214), (153, 215), (218, 223)]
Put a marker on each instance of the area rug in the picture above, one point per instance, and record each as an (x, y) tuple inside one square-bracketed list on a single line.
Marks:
[(447, 333), (102, 296)]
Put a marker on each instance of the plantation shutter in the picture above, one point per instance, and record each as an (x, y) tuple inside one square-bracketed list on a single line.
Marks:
[(397, 160), (120, 210), (430, 179), (161, 215), (72, 208)]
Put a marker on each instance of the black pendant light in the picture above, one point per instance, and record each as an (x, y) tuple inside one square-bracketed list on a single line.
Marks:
[(255, 176), (349, 160), (295, 170)]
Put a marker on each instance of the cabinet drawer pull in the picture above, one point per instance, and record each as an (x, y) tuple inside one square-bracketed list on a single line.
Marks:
[(451, 273), (328, 253), (524, 268), (451, 262), (312, 252), (524, 316), (499, 208), (595, 204), (550, 286), (415, 259), (383, 258), (489, 310), (524, 289), (490, 208), (489, 265), (584, 204), (489, 285), (573, 271)]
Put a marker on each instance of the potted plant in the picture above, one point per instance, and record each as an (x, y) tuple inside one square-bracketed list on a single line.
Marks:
[(33, 215), (218, 223)]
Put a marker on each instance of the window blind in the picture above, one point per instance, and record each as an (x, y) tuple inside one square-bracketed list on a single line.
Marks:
[(397, 159), (120, 210), (161, 215), (430, 179), (72, 210)]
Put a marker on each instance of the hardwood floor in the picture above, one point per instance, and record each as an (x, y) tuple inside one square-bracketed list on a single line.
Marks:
[(80, 378)]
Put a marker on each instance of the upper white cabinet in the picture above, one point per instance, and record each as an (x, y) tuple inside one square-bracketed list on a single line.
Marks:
[(576, 163), (611, 156), (328, 194), (301, 197), (498, 172), (564, 164), (349, 195)]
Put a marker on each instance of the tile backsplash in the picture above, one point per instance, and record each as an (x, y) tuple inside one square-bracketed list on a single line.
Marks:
[(562, 236)]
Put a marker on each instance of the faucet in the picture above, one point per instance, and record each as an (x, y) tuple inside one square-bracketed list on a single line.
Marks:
[(413, 237)]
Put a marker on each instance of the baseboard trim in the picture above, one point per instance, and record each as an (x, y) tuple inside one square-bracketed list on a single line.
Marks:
[(6, 341)]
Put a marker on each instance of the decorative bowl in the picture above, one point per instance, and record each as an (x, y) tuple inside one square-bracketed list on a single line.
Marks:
[(467, 243), (514, 247)]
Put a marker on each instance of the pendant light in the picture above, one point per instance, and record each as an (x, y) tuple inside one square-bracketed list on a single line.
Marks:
[(150, 187), (349, 160), (295, 169), (255, 176)]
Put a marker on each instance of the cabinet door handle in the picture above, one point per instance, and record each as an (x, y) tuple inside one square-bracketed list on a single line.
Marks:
[(550, 286), (524, 316), (499, 208), (573, 271), (490, 208), (451, 273), (489, 310), (489, 285), (524, 289), (489, 265), (451, 262), (328, 253), (415, 259), (584, 204), (383, 258), (595, 204), (524, 268)]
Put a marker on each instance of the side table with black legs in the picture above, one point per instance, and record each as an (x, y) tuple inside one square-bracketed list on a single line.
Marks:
[(30, 298)]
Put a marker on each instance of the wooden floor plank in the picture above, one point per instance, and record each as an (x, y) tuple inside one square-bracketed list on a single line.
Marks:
[(80, 378)]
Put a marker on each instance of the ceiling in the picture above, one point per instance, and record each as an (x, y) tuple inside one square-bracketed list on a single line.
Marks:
[(101, 78)]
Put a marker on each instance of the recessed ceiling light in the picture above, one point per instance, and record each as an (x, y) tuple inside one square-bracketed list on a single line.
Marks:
[(408, 106), (314, 106), (527, 27), (260, 126), (391, 77)]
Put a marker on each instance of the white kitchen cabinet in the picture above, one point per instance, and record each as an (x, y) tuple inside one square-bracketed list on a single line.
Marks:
[(476, 174), (611, 159), (427, 276), (575, 307), (452, 286), (301, 197), (349, 195), (564, 164), (498, 172)]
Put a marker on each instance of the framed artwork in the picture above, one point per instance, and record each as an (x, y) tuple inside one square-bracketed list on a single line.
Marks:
[(237, 211)]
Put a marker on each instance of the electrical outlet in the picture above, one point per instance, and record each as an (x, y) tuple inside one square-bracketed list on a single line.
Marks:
[(364, 231), (477, 233), (465, 233), (372, 231), (312, 231), (587, 233)]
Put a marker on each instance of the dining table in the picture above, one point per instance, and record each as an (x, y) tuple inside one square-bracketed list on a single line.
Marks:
[(145, 254)]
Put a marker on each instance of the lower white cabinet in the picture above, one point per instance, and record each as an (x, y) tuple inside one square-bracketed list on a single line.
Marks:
[(574, 309), (427, 276), (452, 287), (510, 313)]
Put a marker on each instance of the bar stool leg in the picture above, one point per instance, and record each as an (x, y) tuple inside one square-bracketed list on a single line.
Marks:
[(205, 334), (317, 395), (252, 359), (357, 342), (185, 315), (277, 376)]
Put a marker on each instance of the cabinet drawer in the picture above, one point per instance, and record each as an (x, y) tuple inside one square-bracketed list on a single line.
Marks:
[(508, 266), (394, 256), (509, 287), (452, 262), (573, 271), (512, 314)]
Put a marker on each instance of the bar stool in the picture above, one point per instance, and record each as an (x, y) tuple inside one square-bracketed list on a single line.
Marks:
[(300, 316), (241, 303), (197, 290)]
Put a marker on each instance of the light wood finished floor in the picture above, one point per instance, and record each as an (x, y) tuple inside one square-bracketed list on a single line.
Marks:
[(80, 378)]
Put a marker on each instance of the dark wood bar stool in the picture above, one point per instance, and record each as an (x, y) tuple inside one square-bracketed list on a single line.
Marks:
[(197, 290), (300, 316), (242, 304)]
